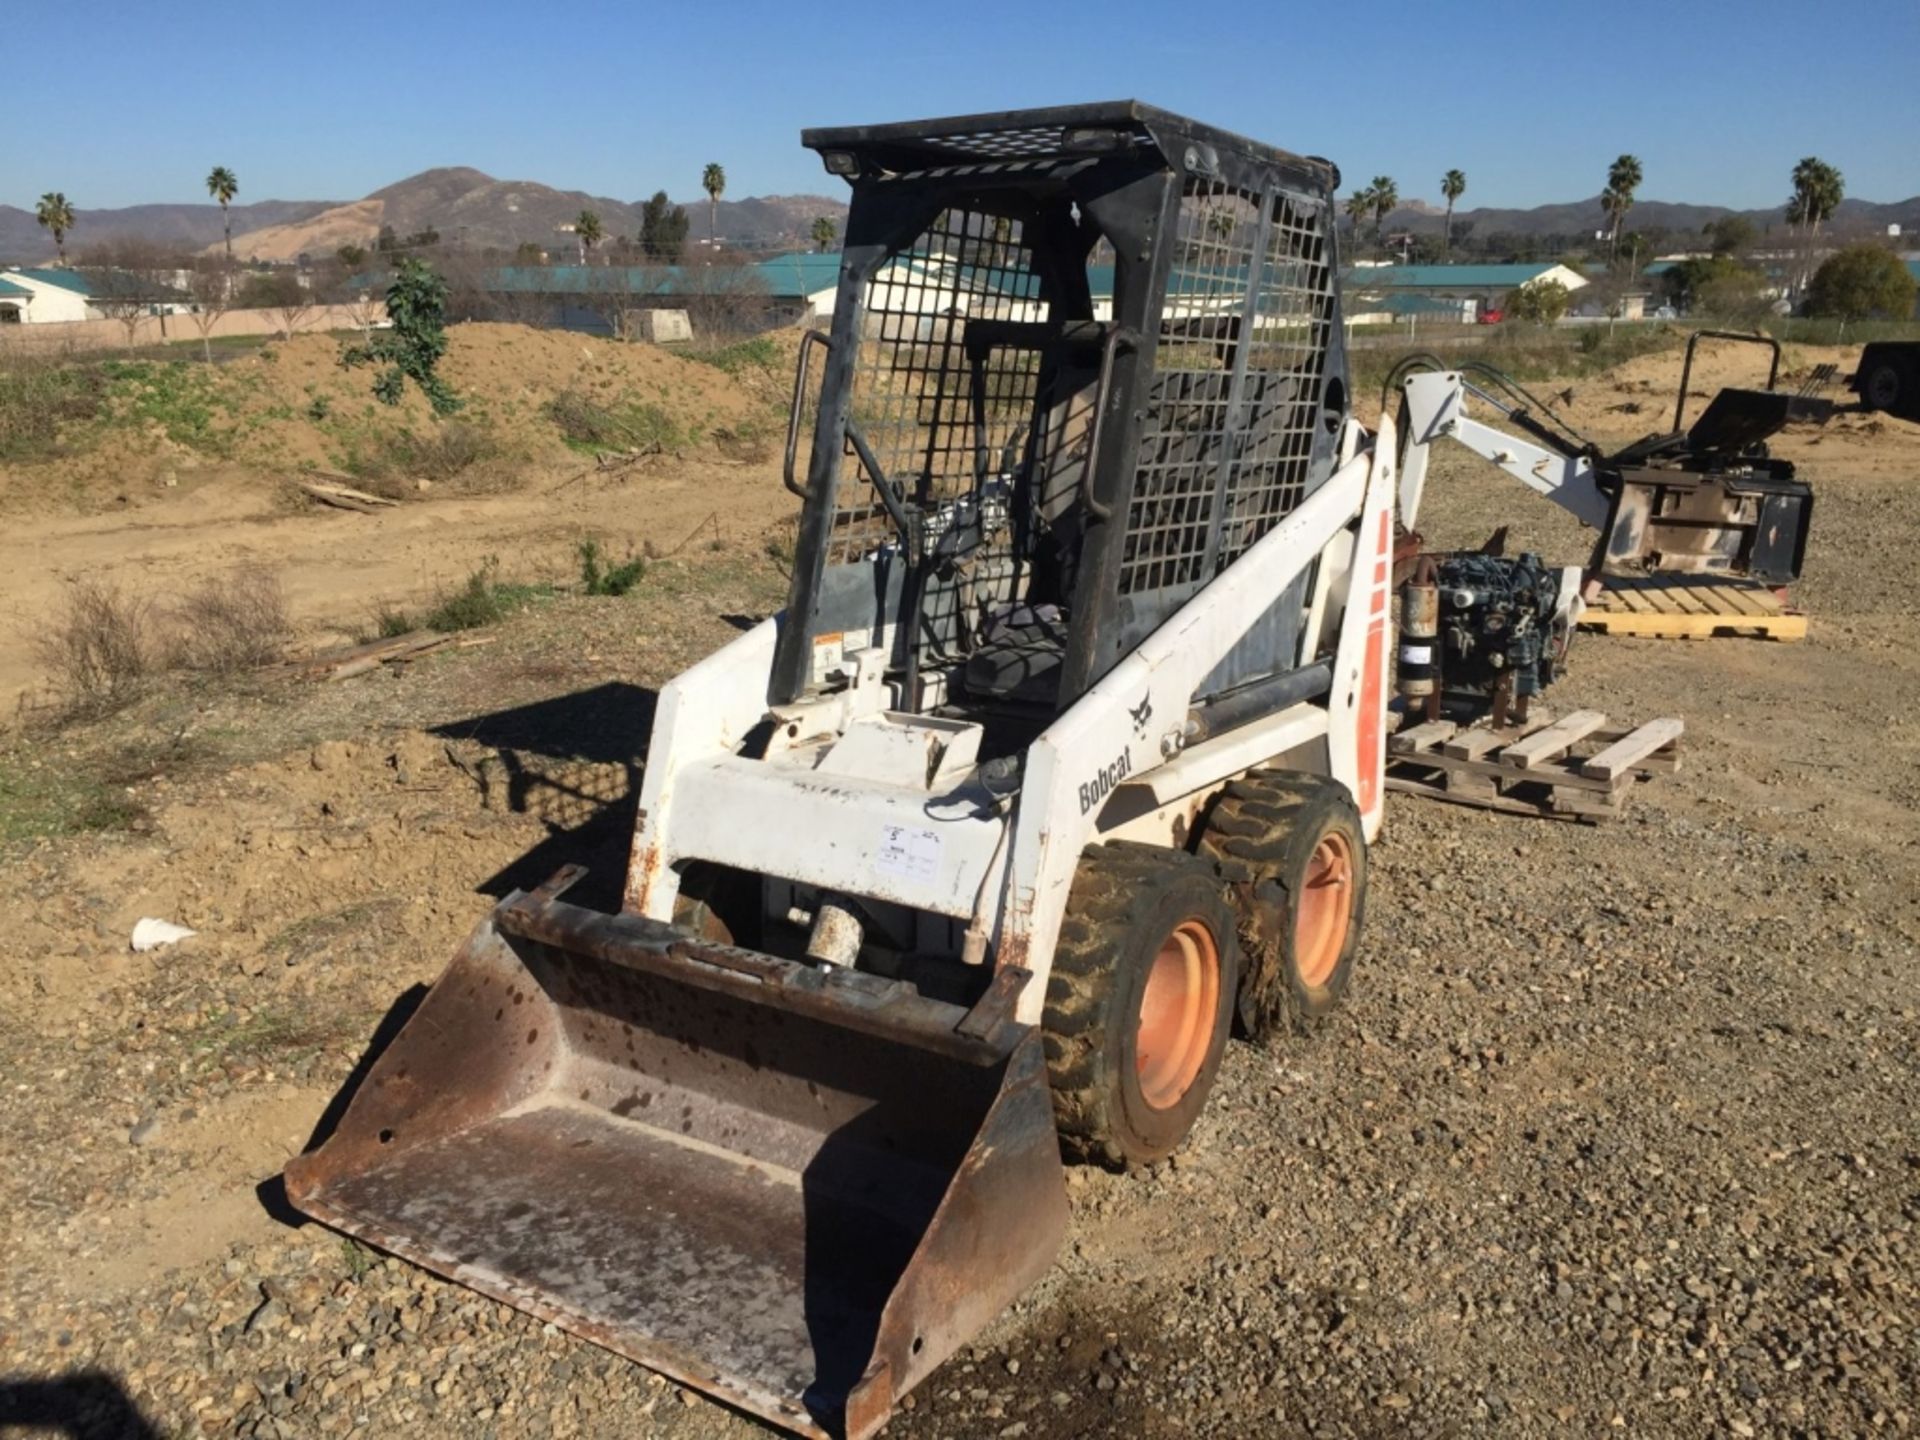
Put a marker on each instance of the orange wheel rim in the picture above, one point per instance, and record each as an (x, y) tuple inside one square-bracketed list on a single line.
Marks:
[(1324, 912), (1177, 1012)]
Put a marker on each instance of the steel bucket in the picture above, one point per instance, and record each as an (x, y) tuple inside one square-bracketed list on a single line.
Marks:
[(798, 1190)]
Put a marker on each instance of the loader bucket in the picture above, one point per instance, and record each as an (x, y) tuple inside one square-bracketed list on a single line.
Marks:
[(798, 1190)]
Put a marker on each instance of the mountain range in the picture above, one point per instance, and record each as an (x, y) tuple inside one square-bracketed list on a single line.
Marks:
[(465, 206), (1583, 217), (473, 208)]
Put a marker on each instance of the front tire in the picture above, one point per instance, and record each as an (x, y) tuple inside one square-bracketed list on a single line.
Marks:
[(1139, 1003)]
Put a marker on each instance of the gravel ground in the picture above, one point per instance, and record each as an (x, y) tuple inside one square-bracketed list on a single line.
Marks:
[(1616, 1132)]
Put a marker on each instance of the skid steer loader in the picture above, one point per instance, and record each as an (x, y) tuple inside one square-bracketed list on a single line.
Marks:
[(1062, 759)]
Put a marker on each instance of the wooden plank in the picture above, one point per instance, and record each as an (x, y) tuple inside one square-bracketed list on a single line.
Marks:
[(1472, 744), (1661, 762), (1509, 805), (1552, 772), (1620, 757), (1463, 783), (1585, 805), (1744, 600), (1681, 598), (1695, 627), (1554, 741), (358, 659), (1420, 737), (344, 497)]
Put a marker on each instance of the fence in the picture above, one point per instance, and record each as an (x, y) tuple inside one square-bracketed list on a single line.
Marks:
[(70, 337)]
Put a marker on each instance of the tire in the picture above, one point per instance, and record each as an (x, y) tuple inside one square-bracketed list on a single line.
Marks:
[(1887, 386), (719, 904), (1139, 1003), (1292, 853)]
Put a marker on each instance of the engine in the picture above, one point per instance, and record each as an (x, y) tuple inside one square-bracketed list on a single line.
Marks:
[(1482, 629)]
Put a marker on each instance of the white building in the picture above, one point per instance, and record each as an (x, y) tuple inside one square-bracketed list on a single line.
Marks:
[(43, 296)]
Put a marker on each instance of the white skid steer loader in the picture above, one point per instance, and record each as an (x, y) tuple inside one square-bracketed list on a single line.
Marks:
[(1062, 760)]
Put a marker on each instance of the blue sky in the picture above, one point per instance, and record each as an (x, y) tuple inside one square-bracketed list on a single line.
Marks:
[(1531, 100)]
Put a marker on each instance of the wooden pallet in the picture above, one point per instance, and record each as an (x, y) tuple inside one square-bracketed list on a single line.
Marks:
[(1692, 607), (1579, 767)]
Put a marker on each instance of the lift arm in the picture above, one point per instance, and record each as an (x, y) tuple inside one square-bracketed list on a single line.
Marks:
[(1437, 406)]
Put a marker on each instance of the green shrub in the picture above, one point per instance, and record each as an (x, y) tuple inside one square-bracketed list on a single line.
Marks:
[(390, 621), (1860, 282), (594, 428), (597, 578), (38, 398), (185, 400), (1541, 303), (483, 599), (441, 454), (411, 350), (758, 354)]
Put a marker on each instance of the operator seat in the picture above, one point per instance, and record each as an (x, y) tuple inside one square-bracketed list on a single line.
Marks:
[(1021, 651)]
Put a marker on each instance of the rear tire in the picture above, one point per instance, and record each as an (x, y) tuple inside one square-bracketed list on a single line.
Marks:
[(1294, 858), (1139, 1003)]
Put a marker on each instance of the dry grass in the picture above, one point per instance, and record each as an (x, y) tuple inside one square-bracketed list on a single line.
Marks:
[(105, 645), (225, 626), (101, 649)]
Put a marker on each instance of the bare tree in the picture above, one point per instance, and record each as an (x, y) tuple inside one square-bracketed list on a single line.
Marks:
[(725, 297), (281, 292), (617, 294), (128, 280), (212, 289)]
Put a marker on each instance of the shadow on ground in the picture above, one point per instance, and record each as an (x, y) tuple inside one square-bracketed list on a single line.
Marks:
[(80, 1405), (574, 760)]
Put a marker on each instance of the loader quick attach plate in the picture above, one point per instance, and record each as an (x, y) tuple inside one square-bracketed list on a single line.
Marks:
[(796, 1189)]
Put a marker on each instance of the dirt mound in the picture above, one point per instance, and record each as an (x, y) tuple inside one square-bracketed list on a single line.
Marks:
[(294, 403), (294, 406)]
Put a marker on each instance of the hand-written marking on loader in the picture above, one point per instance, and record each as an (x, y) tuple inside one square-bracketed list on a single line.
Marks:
[(1093, 791)]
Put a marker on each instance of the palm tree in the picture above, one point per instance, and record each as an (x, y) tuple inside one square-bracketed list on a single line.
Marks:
[(1359, 206), (223, 186), (1818, 189), (587, 226), (1386, 195), (56, 214), (1453, 185), (713, 180), (823, 233), (1623, 178)]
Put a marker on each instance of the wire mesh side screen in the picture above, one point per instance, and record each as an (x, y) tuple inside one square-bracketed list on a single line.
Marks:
[(929, 419), (1225, 452), (1290, 330), (1176, 484)]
